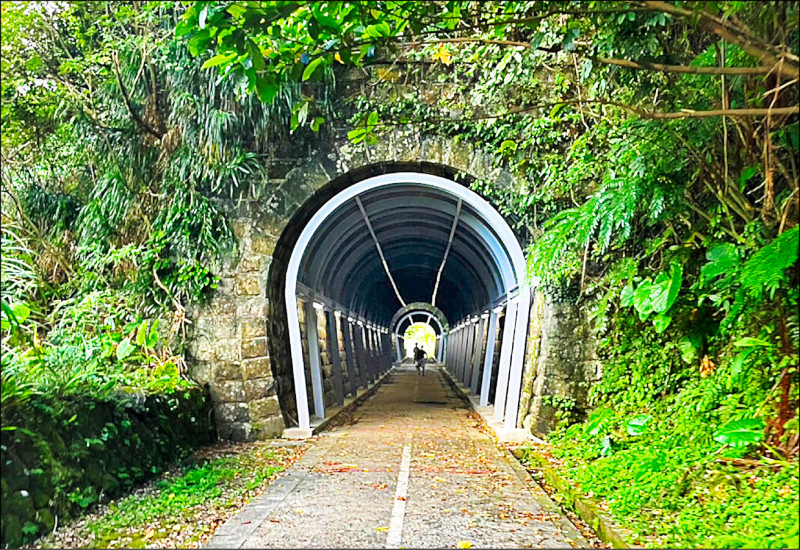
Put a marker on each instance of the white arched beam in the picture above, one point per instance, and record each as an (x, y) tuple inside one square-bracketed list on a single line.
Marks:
[(507, 247)]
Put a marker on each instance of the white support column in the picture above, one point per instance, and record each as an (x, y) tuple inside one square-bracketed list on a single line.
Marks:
[(505, 361), (486, 379), (457, 351), (313, 358), (440, 348), (299, 376), (518, 358), (453, 355), (468, 349), (476, 359)]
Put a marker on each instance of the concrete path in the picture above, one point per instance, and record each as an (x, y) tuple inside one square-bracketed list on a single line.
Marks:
[(409, 468)]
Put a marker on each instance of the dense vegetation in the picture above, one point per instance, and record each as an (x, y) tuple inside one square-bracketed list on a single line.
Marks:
[(656, 144)]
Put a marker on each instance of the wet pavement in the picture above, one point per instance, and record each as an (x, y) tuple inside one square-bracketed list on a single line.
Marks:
[(409, 468)]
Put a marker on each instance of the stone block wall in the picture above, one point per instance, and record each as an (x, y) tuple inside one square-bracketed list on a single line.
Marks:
[(228, 338), (239, 339), (562, 364), (347, 370)]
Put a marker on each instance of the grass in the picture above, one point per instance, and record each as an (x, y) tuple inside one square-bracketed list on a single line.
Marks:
[(183, 508), (669, 498)]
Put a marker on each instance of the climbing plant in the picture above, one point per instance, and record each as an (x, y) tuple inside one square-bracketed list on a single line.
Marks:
[(654, 145)]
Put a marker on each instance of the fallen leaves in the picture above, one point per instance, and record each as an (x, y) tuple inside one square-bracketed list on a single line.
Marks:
[(336, 468), (191, 526), (464, 544)]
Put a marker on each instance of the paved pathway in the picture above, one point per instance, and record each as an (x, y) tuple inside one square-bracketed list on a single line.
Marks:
[(408, 469)]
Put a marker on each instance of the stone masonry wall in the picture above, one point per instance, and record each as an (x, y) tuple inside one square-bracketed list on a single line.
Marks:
[(239, 339), (228, 339), (558, 376)]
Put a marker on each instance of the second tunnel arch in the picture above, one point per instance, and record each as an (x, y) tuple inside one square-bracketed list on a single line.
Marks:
[(429, 312), (486, 238)]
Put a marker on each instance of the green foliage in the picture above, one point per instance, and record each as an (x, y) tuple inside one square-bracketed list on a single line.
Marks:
[(741, 433), (182, 499)]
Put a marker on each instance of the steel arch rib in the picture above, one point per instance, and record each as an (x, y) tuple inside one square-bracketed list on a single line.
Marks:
[(506, 237)]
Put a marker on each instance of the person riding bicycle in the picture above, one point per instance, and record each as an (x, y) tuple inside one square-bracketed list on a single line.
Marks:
[(419, 359)]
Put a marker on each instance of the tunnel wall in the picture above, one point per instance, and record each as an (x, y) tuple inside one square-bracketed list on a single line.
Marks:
[(560, 365), (238, 341)]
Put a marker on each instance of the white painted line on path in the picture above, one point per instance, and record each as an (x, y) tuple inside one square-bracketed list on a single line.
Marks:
[(394, 538)]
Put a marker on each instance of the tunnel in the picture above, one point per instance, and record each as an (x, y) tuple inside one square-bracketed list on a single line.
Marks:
[(380, 249)]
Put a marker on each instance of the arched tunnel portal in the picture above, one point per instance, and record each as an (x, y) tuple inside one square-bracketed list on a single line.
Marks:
[(365, 252), (419, 312)]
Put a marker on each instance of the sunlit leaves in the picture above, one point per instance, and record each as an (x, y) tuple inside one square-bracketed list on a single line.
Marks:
[(741, 433), (638, 424)]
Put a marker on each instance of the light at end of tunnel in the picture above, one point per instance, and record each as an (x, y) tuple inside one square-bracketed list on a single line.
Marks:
[(317, 305)]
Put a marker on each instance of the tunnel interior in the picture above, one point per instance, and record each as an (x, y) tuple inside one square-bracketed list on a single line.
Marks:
[(366, 254), (412, 224)]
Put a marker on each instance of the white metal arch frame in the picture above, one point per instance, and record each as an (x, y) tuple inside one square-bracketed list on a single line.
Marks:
[(513, 347), (410, 315)]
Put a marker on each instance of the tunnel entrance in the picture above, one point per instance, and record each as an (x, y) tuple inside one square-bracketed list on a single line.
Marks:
[(369, 256)]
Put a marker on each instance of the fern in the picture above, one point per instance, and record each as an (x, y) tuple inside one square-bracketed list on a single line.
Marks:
[(765, 271), (639, 181)]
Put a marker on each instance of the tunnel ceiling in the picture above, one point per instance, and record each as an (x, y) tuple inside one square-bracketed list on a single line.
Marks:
[(412, 223)]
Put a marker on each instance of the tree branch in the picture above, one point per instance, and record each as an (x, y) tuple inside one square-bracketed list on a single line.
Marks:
[(139, 121), (646, 65), (730, 32)]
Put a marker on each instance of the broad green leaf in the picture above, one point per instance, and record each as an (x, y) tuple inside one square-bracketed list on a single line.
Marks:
[(641, 299), (218, 60), (508, 145), (256, 55), (557, 109), (741, 433), (312, 67), (356, 135), (722, 259), (626, 297), (749, 342), (372, 120), (20, 311), (738, 362), (124, 349), (662, 321), (747, 173), (316, 123), (664, 291), (638, 424), (152, 335), (141, 333)]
